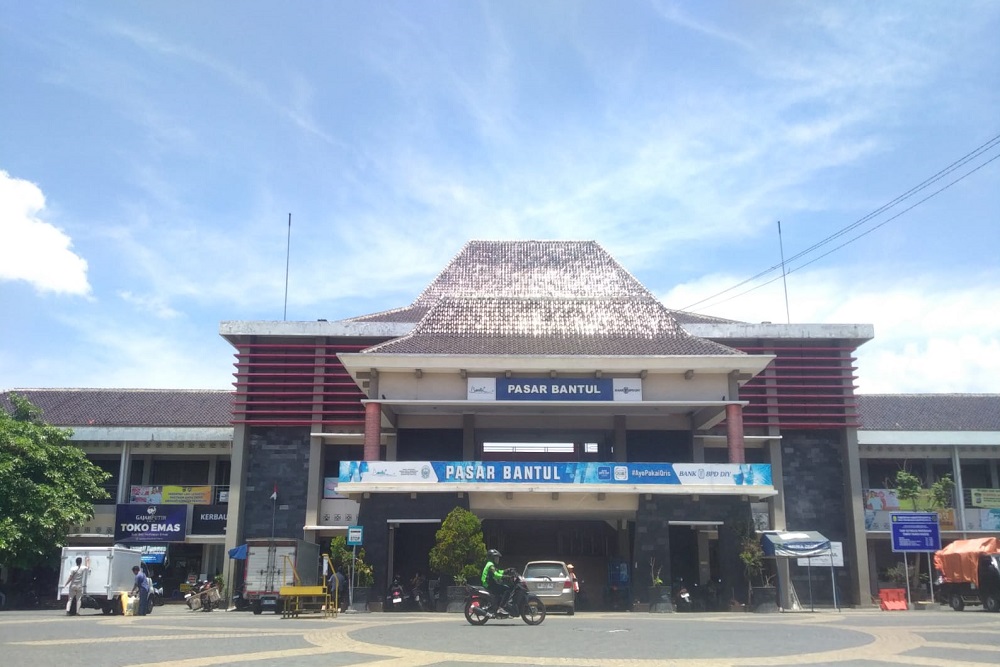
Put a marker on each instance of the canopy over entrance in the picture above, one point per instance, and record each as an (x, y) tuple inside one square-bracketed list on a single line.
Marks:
[(800, 544), (795, 544)]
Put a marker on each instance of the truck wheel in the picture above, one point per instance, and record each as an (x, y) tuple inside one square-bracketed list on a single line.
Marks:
[(256, 608), (956, 602), (992, 603)]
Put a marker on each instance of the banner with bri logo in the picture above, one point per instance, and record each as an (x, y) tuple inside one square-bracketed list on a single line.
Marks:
[(508, 472)]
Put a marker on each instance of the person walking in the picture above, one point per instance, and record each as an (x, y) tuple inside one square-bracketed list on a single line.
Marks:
[(75, 585), (142, 588)]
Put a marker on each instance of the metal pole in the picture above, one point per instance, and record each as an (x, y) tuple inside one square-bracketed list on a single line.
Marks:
[(784, 281), (288, 254), (930, 578), (906, 572), (354, 575)]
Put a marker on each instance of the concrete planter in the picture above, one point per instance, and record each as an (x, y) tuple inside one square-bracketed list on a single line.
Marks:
[(660, 601), (764, 599)]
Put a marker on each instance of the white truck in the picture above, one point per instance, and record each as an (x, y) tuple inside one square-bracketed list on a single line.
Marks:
[(272, 564), (110, 576)]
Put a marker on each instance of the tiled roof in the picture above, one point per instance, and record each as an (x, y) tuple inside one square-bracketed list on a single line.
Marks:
[(540, 297), (929, 412), (129, 407), (523, 269), (581, 326)]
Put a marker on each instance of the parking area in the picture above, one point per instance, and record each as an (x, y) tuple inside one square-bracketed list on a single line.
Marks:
[(177, 637)]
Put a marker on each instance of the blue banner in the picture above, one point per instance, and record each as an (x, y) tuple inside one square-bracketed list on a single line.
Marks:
[(522, 472), (150, 523)]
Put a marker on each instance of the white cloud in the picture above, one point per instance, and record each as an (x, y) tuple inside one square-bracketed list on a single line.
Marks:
[(33, 250), (932, 333)]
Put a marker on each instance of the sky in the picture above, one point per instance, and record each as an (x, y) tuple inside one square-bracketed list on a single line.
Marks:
[(152, 152)]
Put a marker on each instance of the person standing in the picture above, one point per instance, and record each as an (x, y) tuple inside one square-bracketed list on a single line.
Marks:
[(142, 588), (75, 584)]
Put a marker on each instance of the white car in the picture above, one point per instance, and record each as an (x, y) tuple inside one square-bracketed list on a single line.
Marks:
[(550, 580)]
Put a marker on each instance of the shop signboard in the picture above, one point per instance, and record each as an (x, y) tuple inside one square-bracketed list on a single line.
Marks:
[(985, 498), (548, 472), (209, 519), (153, 554), (554, 389), (137, 523), (915, 531), (171, 495)]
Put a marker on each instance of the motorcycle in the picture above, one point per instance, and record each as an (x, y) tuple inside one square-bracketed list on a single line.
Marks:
[(682, 597), (204, 596), (156, 594), (480, 607), (396, 596)]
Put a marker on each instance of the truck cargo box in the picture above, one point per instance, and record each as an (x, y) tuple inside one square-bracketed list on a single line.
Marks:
[(959, 561), (272, 564), (110, 574)]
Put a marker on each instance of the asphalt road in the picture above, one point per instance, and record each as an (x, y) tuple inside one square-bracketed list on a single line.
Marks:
[(177, 637)]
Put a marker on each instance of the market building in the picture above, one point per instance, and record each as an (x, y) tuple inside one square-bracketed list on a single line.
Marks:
[(541, 386)]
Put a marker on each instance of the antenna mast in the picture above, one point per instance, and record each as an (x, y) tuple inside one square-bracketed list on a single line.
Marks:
[(288, 254), (788, 317)]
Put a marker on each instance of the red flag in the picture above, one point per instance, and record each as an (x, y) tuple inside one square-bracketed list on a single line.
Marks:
[(274, 496)]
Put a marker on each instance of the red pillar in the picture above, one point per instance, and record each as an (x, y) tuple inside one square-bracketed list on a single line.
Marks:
[(734, 433), (373, 430)]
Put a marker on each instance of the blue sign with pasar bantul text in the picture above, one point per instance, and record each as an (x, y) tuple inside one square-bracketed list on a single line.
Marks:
[(553, 472)]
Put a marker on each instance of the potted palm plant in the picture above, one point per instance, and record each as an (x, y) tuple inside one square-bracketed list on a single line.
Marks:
[(360, 575), (762, 596), (458, 554), (659, 594)]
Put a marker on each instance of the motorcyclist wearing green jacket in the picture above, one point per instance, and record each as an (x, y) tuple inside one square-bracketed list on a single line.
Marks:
[(492, 579)]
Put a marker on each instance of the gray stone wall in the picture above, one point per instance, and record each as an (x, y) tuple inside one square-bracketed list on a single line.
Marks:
[(276, 456), (652, 536), (814, 500)]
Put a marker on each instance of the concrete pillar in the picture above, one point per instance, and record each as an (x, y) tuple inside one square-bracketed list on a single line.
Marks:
[(373, 430), (734, 433), (239, 462), (123, 494), (468, 437), (956, 466), (621, 448), (857, 545)]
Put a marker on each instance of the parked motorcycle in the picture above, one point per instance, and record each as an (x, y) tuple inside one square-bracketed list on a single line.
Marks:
[(396, 596), (480, 606), (156, 594), (682, 597), (203, 597)]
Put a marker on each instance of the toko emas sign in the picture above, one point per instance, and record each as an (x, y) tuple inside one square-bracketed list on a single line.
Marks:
[(150, 523)]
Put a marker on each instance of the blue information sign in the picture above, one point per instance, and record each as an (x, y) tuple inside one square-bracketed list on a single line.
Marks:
[(915, 531), (354, 534)]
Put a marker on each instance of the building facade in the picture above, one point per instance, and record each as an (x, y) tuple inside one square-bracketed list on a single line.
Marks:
[(539, 385)]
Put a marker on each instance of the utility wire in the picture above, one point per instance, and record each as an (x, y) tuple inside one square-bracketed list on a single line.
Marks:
[(957, 164), (848, 242)]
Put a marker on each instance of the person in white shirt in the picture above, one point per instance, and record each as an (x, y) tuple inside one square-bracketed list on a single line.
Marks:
[(74, 583)]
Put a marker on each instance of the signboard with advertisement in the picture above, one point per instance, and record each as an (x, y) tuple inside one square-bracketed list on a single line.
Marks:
[(986, 498), (915, 531), (150, 523), (153, 554), (825, 560), (554, 389), (171, 495), (523, 472), (209, 519)]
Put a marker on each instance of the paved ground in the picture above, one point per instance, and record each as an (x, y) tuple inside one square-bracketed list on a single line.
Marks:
[(177, 637)]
